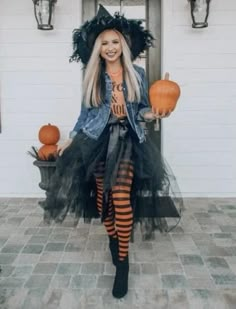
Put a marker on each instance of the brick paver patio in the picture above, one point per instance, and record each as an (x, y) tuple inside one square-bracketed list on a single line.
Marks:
[(61, 266)]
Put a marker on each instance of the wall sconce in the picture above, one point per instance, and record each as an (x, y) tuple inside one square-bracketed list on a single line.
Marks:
[(43, 11), (199, 12)]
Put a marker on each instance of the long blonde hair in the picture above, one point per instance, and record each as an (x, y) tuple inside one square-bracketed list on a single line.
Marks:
[(92, 85)]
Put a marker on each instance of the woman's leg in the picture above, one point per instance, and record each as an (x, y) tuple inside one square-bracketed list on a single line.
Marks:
[(123, 210), (109, 221), (123, 222)]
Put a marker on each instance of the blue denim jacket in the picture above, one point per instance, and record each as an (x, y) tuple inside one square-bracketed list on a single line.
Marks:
[(92, 121)]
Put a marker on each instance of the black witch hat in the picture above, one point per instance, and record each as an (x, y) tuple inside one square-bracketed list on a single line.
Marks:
[(84, 38)]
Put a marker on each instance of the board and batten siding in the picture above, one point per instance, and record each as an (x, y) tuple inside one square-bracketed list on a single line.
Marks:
[(199, 138), (38, 86)]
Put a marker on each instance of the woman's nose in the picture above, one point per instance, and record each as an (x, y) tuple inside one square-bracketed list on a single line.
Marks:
[(110, 46)]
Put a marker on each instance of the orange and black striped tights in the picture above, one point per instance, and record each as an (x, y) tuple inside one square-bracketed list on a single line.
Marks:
[(120, 216)]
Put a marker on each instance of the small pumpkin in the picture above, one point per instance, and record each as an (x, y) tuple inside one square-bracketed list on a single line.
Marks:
[(49, 134), (163, 95), (47, 152)]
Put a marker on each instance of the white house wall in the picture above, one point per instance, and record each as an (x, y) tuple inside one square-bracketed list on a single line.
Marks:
[(199, 139), (38, 86)]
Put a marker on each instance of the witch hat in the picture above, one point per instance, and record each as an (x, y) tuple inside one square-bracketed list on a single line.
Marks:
[(84, 37)]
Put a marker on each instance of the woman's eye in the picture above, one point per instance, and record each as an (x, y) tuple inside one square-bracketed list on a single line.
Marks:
[(113, 42)]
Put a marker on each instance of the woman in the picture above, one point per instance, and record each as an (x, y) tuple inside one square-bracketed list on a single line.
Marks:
[(106, 167)]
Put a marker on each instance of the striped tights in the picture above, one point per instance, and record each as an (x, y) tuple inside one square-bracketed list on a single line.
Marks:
[(119, 221)]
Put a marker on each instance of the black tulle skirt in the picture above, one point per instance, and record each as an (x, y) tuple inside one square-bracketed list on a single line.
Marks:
[(155, 194)]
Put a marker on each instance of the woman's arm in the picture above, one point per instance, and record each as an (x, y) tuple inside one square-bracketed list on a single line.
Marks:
[(144, 105), (72, 134), (82, 117)]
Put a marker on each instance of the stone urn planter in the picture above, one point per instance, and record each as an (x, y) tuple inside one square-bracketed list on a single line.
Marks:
[(47, 169)]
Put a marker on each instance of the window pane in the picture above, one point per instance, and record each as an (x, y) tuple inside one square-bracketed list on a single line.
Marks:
[(131, 8)]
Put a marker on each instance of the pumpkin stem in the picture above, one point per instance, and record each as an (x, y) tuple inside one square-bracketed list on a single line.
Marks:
[(167, 76)]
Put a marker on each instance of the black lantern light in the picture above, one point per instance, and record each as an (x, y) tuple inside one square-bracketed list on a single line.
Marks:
[(43, 11), (199, 12)]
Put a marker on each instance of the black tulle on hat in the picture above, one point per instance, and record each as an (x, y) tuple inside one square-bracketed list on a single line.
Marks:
[(84, 38)]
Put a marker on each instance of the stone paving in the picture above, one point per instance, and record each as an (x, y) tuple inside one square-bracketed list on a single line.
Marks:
[(61, 266)]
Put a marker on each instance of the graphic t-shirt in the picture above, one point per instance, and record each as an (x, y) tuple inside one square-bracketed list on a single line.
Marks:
[(117, 101)]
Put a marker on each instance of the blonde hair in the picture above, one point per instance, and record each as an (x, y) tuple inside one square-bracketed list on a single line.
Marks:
[(92, 85)]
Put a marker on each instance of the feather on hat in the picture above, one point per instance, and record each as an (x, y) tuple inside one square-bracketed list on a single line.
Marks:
[(84, 37)]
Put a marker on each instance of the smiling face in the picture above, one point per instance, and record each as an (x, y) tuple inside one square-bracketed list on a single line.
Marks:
[(110, 47)]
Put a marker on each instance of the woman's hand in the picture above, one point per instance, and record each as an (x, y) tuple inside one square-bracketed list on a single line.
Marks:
[(61, 148), (158, 114), (155, 114)]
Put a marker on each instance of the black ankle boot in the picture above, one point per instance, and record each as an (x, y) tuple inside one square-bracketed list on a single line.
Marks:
[(114, 248), (120, 287)]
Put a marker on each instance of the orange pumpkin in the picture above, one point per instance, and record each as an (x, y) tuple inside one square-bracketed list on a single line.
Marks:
[(47, 151), (49, 134), (163, 95)]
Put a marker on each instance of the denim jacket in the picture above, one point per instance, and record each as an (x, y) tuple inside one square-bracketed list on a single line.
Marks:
[(92, 121)]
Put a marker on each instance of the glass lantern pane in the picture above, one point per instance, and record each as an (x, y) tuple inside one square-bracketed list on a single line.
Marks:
[(44, 9), (200, 10)]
